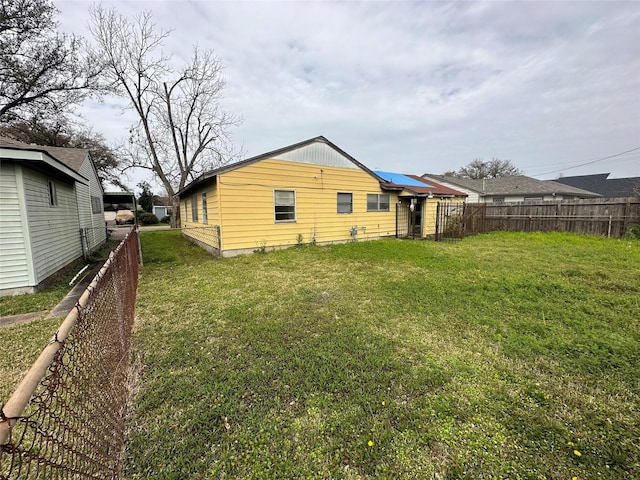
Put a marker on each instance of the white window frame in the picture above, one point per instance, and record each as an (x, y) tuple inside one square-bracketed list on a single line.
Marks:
[(96, 205), (377, 207), (276, 205), (205, 213), (194, 208), (344, 204)]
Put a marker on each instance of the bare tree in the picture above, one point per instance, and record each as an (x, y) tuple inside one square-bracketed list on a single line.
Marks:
[(41, 70), (182, 130), (478, 168)]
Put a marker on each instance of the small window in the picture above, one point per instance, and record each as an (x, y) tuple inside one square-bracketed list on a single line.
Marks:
[(205, 217), (345, 202), (194, 209), (53, 196), (498, 200), (532, 199), (284, 205), (377, 202), (96, 205)]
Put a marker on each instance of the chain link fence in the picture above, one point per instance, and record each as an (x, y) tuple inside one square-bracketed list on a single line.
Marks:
[(66, 418), (206, 236)]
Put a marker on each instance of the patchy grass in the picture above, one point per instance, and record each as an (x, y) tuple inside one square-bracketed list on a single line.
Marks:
[(51, 296), (501, 356), (21, 344)]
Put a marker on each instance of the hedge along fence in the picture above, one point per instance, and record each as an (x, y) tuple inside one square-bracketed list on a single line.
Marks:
[(610, 217), (66, 418)]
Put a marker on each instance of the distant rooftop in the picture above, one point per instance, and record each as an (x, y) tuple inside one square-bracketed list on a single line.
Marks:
[(607, 187)]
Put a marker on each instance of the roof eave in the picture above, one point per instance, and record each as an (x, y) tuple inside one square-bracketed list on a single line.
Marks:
[(37, 157)]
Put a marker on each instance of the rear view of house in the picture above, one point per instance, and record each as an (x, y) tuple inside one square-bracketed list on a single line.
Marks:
[(310, 192), (51, 213)]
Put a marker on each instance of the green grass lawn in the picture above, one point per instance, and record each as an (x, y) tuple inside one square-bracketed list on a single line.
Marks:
[(52, 295), (21, 344), (500, 356)]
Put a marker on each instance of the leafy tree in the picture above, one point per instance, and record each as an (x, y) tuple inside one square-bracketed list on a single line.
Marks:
[(478, 168), (60, 132), (145, 200), (182, 131), (41, 71)]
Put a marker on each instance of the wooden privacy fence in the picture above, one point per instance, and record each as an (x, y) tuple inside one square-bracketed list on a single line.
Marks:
[(66, 418), (610, 217)]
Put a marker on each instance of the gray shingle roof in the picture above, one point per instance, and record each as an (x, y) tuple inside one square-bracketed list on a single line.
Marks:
[(71, 157), (513, 185), (607, 187)]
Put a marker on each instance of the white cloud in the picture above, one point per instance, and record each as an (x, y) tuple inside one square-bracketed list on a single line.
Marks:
[(424, 86)]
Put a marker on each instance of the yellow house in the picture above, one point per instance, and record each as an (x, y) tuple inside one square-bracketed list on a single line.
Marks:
[(424, 207), (310, 192)]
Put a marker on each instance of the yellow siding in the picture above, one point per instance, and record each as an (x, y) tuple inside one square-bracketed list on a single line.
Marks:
[(429, 214), (245, 205)]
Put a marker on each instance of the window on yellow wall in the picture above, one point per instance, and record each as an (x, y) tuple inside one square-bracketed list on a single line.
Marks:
[(194, 208), (205, 216), (345, 202), (185, 211), (284, 202), (377, 202)]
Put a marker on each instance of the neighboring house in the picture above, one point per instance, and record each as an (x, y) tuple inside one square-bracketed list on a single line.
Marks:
[(417, 204), (517, 188), (51, 212), (161, 211), (310, 192), (607, 187)]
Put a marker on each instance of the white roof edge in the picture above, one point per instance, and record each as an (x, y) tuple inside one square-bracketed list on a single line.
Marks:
[(41, 156)]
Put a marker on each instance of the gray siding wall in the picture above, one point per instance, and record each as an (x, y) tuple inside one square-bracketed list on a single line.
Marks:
[(55, 231), (15, 266), (93, 223)]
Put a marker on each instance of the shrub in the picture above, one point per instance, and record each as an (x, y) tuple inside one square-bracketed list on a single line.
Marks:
[(145, 218), (166, 219), (632, 233)]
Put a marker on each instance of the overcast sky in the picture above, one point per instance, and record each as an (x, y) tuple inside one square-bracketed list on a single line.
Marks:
[(416, 87)]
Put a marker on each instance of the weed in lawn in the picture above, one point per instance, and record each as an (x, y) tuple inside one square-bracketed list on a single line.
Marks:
[(262, 247), (474, 359)]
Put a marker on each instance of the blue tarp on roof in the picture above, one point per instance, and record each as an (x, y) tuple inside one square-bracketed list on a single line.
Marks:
[(400, 179)]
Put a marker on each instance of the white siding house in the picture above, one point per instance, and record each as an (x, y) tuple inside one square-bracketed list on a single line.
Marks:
[(47, 219), (89, 195)]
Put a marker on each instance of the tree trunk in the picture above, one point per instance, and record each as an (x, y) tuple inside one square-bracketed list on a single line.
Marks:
[(175, 218)]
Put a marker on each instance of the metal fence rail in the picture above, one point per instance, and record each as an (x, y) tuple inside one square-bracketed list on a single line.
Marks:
[(66, 418)]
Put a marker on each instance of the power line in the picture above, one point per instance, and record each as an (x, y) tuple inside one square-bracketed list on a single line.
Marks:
[(590, 162)]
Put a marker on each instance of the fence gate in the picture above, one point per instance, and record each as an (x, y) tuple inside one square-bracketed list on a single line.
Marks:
[(449, 221), (409, 214)]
